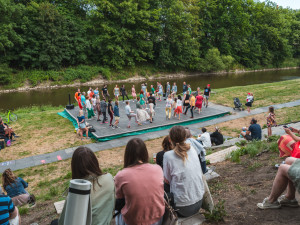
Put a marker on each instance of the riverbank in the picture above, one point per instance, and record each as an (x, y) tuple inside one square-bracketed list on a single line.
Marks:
[(100, 79)]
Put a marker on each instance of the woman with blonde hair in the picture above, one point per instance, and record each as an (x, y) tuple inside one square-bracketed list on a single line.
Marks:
[(182, 171)]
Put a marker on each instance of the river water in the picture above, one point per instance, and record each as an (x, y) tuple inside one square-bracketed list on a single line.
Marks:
[(59, 96)]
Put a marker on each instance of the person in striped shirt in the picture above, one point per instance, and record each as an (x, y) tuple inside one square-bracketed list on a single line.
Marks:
[(7, 210)]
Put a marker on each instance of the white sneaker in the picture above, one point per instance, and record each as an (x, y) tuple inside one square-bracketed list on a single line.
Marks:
[(268, 205), (287, 202)]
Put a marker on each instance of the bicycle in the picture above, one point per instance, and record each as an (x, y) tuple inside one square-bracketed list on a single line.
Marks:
[(10, 117)]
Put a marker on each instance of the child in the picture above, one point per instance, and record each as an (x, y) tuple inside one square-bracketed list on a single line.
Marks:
[(94, 102), (174, 106), (151, 110), (117, 115), (110, 112), (103, 107), (89, 109), (178, 109), (271, 120), (168, 107)]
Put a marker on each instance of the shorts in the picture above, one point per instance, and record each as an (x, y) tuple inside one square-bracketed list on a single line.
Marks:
[(248, 137), (117, 118), (82, 125), (249, 104), (206, 97)]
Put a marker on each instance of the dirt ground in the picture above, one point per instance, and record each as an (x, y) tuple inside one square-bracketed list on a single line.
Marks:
[(243, 185)]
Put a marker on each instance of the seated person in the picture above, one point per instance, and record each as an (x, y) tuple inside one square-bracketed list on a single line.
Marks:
[(288, 178), (6, 132), (140, 186), (217, 137), (253, 132), (198, 147), (82, 125), (85, 165), (15, 188), (8, 212), (204, 138), (181, 170), (289, 144)]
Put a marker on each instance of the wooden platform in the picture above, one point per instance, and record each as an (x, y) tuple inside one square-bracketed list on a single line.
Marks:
[(104, 131)]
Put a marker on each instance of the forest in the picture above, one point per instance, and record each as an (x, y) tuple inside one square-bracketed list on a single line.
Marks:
[(169, 35)]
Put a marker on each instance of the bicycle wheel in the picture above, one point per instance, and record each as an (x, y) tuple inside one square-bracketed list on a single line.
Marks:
[(13, 117)]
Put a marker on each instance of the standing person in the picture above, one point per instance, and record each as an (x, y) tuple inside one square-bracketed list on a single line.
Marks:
[(116, 92), (168, 89), (15, 187), (89, 91), (110, 112), (123, 92), (174, 90), (249, 101), (204, 138), (116, 114), (184, 88), (152, 90), (91, 94), (169, 107), (133, 93), (81, 125), (103, 107), (96, 93), (76, 95), (174, 106), (186, 101), (93, 101), (191, 105), (85, 165), (198, 92), (144, 89), (189, 89), (98, 109), (89, 109), (153, 100), (151, 109), (83, 103), (79, 101), (182, 171), (199, 102), (271, 120), (142, 100), (160, 91), (105, 93), (130, 114), (178, 109), (206, 94), (140, 186)]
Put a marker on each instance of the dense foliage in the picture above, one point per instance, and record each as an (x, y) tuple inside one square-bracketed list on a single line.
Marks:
[(203, 35)]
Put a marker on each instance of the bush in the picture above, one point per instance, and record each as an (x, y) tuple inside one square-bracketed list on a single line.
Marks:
[(213, 60), (218, 212), (228, 61), (5, 74)]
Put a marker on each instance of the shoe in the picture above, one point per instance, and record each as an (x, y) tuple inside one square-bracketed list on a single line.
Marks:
[(31, 201), (98, 120), (206, 106), (106, 122), (117, 127), (191, 117), (113, 127), (101, 123), (267, 205), (283, 201)]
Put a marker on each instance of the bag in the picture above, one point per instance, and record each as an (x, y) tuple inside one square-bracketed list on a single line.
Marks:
[(170, 216), (8, 143), (92, 129)]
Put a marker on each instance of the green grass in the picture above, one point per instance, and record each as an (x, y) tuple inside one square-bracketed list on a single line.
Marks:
[(264, 94)]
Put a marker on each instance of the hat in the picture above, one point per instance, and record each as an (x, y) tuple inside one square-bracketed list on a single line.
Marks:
[(249, 93), (208, 85)]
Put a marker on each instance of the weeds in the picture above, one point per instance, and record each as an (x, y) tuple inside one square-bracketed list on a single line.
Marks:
[(218, 212)]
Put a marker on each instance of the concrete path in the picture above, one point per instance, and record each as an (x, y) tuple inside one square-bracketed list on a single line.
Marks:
[(67, 153)]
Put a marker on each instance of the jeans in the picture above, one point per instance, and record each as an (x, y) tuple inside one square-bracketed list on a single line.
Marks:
[(192, 109), (123, 95), (130, 116)]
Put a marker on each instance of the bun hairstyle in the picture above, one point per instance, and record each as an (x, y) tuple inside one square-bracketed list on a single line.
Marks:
[(178, 136)]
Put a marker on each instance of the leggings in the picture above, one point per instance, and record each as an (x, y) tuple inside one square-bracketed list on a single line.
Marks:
[(123, 95), (111, 117), (192, 109), (104, 117)]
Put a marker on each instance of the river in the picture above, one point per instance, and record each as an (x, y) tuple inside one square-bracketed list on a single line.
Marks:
[(59, 96)]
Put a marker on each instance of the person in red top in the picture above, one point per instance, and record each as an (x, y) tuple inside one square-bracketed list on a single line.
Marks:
[(140, 185), (91, 94), (79, 100), (199, 101)]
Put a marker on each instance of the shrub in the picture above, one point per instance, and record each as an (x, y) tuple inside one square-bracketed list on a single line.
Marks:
[(213, 60), (5, 74), (218, 212)]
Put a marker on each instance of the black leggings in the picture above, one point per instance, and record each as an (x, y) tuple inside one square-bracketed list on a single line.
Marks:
[(104, 117), (111, 117), (125, 95), (192, 109)]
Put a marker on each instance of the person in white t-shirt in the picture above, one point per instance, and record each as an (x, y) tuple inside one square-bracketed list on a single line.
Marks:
[(178, 109), (204, 138), (130, 114), (94, 102)]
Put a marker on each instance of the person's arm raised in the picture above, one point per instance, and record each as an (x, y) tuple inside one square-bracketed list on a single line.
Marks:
[(289, 132)]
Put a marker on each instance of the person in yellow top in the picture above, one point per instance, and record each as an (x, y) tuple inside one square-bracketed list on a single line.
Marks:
[(191, 105)]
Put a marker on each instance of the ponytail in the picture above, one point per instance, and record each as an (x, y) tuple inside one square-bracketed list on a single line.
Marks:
[(181, 150)]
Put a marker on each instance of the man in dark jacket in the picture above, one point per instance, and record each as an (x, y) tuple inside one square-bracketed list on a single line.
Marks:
[(216, 137)]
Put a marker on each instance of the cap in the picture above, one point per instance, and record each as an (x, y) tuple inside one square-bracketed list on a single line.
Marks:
[(249, 93), (208, 85)]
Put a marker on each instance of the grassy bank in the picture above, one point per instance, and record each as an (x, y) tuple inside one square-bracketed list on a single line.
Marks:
[(264, 94)]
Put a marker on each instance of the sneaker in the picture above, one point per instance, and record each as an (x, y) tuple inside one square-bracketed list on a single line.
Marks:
[(98, 120), (113, 127), (117, 127), (106, 122), (286, 202), (31, 201), (267, 205)]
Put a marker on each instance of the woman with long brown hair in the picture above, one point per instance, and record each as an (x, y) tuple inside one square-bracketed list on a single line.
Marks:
[(15, 188), (140, 186), (182, 171), (85, 165)]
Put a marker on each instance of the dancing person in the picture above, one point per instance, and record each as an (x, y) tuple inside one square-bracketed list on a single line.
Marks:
[(117, 115), (89, 109), (98, 109), (15, 187), (206, 94), (153, 99), (249, 101), (160, 91), (204, 138), (79, 101), (85, 165), (168, 89), (91, 94), (110, 112), (186, 101), (103, 108), (199, 102), (76, 95), (89, 91), (133, 93), (217, 137), (182, 162), (144, 89), (178, 109), (189, 89), (130, 114), (124, 92), (140, 186), (93, 101), (169, 107), (287, 178), (81, 125), (142, 100), (138, 104), (116, 92), (152, 90), (174, 90), (191, 105), (271, 120), (151, 110), (254, 131), (174, 106), (184, 88), (105, 93), (83, 103), (96, 93)]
